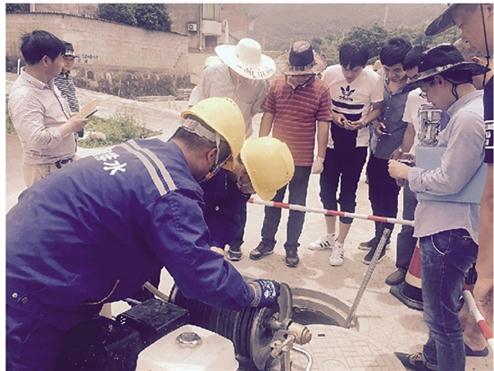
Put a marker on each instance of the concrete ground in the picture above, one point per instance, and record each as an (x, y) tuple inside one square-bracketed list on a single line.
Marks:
[(383, 318)]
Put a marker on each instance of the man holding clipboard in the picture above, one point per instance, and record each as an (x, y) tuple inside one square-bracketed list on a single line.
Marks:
[(447, 214)]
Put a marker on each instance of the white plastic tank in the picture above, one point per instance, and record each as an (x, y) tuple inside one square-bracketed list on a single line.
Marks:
[(189, 348)]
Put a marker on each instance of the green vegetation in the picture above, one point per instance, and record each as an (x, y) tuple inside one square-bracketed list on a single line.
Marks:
[(152, 17), (116, 130), (16, 8), (374, 37), (119, 128)]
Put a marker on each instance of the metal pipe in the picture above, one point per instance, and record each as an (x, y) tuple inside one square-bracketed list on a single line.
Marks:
[(380, 246), (307, 355), (305, 209), (481, 322)]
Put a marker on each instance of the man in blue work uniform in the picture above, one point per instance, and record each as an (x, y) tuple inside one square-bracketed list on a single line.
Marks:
[(227, 192), (95, 232)]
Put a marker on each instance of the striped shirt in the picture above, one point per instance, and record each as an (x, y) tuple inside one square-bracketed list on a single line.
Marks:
[(295, 115), (65, 84)]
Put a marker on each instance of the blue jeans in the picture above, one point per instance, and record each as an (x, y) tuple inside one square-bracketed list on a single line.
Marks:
[(446, 258)]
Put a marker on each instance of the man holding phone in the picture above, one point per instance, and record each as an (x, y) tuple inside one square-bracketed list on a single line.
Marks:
[(386, 141), (41, 116), (356, 93)]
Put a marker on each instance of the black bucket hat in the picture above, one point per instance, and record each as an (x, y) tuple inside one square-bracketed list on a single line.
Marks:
[(302, 60), (442, 58), (443, 22)]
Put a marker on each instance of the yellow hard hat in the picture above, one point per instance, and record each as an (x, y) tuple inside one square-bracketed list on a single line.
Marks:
[(224, 117), (269, 163)]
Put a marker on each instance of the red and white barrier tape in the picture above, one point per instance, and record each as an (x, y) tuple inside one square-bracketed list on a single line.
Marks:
[(305, 209), (485, 329)]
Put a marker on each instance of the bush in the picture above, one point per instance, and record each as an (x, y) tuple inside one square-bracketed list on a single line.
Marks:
[(118, 129), (374, 37)]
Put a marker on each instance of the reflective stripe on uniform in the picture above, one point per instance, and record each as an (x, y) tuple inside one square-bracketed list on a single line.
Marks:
[(149, 167), (158, 163)]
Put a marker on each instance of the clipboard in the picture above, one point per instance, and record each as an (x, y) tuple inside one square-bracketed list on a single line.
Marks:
[(429, 158), (89, 109)]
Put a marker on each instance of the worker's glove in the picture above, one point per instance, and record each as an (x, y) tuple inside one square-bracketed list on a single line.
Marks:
[(266, 293), (318, 165)]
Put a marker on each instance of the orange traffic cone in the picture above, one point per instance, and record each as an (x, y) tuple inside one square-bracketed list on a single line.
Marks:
[(410, 291)]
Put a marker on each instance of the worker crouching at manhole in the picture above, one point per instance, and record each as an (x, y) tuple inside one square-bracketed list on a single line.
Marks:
[(264, 166), (97, 230)]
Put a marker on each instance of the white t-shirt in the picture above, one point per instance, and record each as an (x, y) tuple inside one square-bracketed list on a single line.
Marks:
[(353, 100), (411, 113)]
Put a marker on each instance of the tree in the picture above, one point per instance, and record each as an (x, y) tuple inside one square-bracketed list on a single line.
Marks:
[(119, 13), (152, 17), (373, 38), (16, 8)]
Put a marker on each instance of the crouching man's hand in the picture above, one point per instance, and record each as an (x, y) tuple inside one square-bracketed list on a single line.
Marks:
[(266, 293)]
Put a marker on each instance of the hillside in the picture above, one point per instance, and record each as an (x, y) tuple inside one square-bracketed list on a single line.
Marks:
[(278, 24)]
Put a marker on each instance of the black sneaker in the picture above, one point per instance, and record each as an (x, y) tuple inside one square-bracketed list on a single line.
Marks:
[(367, 245), (368, 257), (397, 277), (413, 361), (234, 253), (261, 251), (291, 258)]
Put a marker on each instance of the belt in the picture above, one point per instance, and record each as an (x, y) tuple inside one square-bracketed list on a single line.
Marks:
[(59, 163)]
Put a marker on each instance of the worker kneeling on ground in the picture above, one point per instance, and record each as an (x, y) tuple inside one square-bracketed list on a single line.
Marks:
[(97, 230), (264, 166)]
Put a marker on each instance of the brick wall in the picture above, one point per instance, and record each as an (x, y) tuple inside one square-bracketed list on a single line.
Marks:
[(114, 58)]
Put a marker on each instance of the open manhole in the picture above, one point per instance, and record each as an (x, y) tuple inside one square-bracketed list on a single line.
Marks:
[(314, 307)]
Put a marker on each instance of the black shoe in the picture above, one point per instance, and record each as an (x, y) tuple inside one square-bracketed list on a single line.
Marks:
[(368, 257), (291, 258), (234, 253), (367, 245), (261, 251), (397, 277), (413, 361)]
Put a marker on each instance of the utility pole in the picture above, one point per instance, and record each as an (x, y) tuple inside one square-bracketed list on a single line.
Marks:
[(386, 12)]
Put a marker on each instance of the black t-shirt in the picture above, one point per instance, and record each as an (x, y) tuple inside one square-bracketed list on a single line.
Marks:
[(489, 124)]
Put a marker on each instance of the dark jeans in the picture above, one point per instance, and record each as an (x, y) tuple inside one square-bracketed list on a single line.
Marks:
[(346, 164), (446, 258), (405, 242), (238, 240), (383, 192), (297, 193)]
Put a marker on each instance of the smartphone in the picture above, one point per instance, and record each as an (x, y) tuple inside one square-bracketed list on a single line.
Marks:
[(406, 161), (384, 130), (91, 113), (89, 109)]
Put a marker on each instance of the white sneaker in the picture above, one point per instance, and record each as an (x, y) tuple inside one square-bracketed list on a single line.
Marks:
[(323, 243), (336, 257)]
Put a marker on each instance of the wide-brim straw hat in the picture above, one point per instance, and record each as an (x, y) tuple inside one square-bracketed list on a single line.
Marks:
[(440, 59), (301, 60), (247, 60)]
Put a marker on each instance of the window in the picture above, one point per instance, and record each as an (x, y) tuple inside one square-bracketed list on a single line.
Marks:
[(208, 11)]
